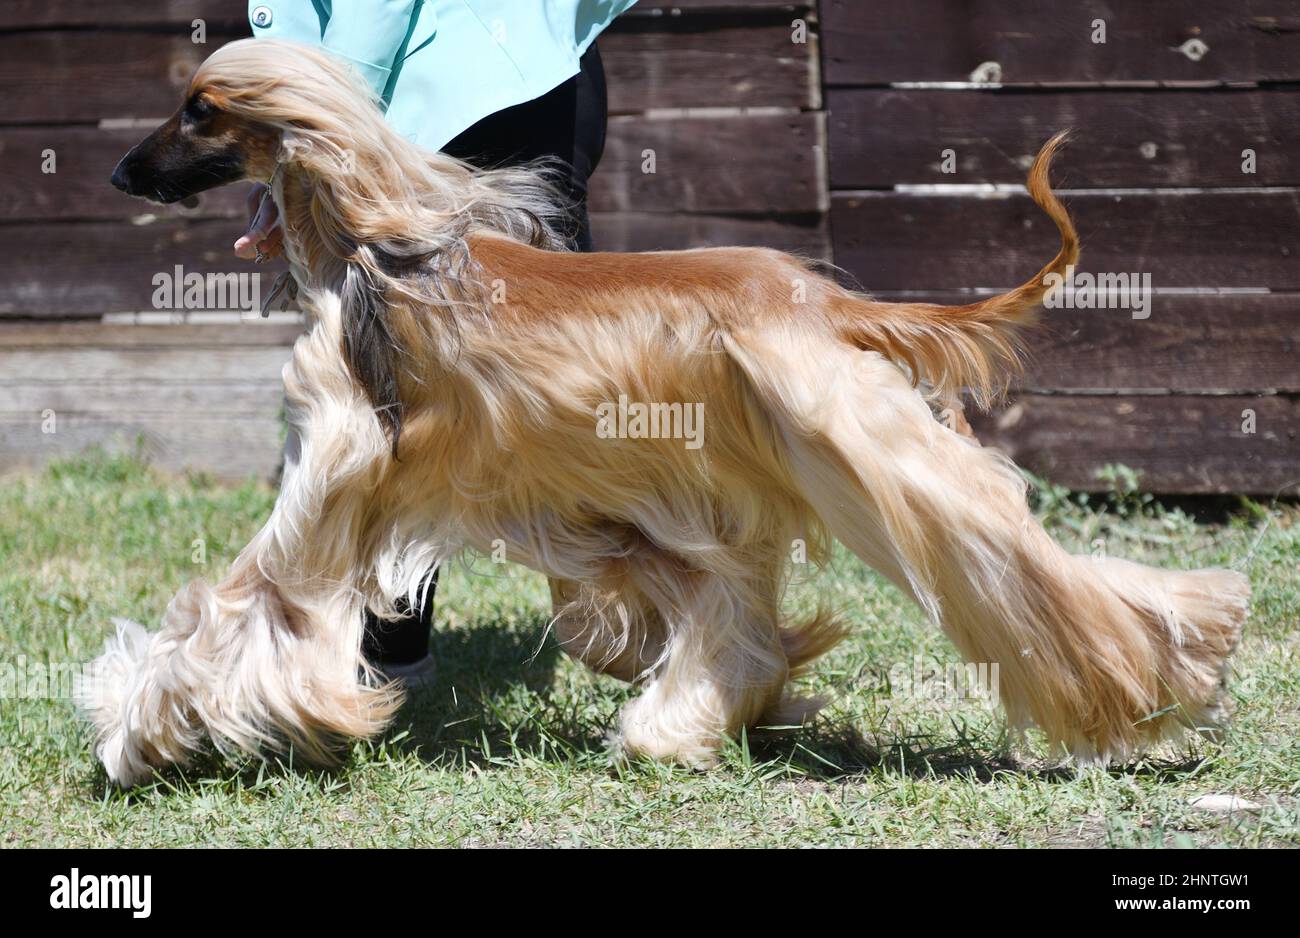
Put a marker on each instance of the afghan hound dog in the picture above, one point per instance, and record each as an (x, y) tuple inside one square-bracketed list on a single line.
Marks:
[(464, 383)]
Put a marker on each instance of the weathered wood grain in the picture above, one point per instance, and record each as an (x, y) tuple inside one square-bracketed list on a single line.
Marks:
[(1180, 444), (140, 398), (196, 397), (34, 14), (61, 76), (743, 164), (163, 366), (67, 335), (1220, 343), (83, 160), (30, 14), (899, 241), (1189, 343), (738, 163), (194, 401), (882, 137), (227, 447), (651, 62), (90, 268), (643, 231), (946, 40), (691, 61)]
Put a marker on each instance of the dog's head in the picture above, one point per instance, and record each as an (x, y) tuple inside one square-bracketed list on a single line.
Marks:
[(251, 105), (381, 220), (256, 106), (205, 144)]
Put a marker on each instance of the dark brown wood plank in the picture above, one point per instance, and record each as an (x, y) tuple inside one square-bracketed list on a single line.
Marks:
[(687, 61), (655, 7), (79, 189), (651, 62), (1180, 444), (1222, 343), (898, 241), (734, 163), (946, 40), (639, 231), (91, 268), (79, 269), (49, 77), (29, 14), (34, 14), (1189, 343), (881, 137)]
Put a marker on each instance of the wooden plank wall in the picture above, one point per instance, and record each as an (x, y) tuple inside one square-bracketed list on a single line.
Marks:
[(757, 139), (717, 89), (1162, 112)]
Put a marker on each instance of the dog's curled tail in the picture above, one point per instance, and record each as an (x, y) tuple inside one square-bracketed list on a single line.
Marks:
[(976, 347)]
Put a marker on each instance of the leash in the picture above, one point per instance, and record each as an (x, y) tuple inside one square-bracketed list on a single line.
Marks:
[(263, 258), (285, 285)]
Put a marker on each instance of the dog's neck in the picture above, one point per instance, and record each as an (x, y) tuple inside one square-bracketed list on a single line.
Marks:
[(320, 269), (313, 265)]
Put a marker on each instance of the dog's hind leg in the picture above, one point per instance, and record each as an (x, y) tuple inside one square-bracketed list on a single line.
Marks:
[(1104, 656), (725, 665), (615, 632)]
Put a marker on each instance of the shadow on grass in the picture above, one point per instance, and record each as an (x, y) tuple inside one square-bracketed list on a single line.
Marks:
[(208, 770), (841, 753), (494, 701), (494, 695)]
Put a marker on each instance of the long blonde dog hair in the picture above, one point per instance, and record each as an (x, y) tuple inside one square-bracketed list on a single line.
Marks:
[(447, 396)]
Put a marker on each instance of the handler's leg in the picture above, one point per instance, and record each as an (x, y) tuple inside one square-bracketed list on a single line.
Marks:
[(400, 647)]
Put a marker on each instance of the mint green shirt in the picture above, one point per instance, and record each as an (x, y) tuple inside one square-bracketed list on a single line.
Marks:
[(442, 65)]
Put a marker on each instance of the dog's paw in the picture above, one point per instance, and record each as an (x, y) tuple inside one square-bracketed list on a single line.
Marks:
[(103, 693), (615, 749), (645, 730)]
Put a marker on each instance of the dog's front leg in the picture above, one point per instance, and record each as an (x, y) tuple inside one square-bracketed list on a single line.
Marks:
[(244, 662), (272, 653)]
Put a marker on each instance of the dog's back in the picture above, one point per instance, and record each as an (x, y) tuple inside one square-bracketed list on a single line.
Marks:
[(972, 348)]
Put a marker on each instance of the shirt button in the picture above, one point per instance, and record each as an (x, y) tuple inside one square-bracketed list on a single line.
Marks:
[(262, 16)]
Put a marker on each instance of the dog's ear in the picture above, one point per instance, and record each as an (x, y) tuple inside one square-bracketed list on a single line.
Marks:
[(370, 347)]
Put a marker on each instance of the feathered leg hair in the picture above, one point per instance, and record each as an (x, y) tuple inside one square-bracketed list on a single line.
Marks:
[(271, 655), (1105, 656)]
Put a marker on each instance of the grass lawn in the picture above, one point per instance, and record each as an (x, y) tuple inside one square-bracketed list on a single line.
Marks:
[(508, 750)]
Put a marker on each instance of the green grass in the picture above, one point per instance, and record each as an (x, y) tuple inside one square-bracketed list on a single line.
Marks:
[(508, 748)]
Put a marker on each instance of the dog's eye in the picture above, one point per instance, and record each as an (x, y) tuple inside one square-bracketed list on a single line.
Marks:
[(199, 108)]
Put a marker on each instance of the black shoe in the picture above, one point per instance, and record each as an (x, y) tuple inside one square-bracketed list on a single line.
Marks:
[(399, 648), (413, 676)]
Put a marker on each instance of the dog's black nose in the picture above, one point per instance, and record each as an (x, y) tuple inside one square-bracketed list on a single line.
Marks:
[(121, 178)]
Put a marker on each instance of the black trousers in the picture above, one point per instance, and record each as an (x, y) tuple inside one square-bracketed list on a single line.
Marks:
[(567, 123)]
